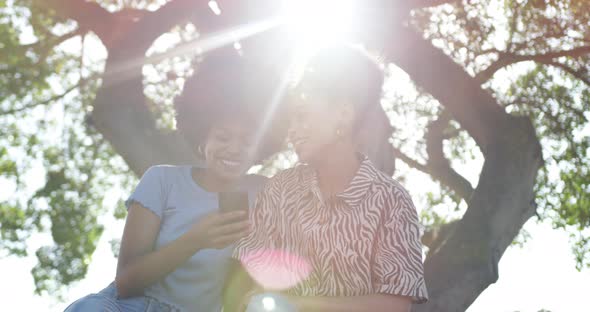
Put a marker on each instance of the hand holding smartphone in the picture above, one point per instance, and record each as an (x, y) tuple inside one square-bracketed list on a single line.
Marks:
[(223, 228), (233, 201)]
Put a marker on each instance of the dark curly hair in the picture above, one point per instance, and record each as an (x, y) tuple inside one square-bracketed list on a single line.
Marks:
[(228, 85)]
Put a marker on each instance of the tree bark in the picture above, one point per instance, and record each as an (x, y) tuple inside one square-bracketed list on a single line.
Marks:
[(120, 112), (466, 260), (439, 165), (121, 115)]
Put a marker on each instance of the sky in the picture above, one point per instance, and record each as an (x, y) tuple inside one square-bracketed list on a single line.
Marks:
[(539, 275)]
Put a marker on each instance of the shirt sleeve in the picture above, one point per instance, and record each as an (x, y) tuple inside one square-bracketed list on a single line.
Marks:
[(149, 192), (398, 268)]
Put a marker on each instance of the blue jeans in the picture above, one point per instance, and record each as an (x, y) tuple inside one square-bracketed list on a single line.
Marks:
[(106, 301)]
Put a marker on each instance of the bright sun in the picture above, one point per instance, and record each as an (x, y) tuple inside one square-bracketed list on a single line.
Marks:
[(314, 22), (310, 23)]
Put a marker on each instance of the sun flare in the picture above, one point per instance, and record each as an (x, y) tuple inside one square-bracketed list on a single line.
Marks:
[(320, 21)]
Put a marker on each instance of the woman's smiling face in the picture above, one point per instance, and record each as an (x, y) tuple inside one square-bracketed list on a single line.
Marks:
[(228, 148)]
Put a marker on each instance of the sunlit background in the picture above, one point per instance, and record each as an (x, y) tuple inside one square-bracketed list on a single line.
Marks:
[(537, 272)]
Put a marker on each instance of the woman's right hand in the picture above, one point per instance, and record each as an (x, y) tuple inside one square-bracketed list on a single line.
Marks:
[(218, 230)]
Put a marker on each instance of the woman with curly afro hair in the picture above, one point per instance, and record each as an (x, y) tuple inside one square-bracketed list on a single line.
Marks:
[(176, 245)]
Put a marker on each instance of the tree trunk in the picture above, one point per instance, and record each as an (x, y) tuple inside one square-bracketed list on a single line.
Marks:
[(121, 115), (466, 260)]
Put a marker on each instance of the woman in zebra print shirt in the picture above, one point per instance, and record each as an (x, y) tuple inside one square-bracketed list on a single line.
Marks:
[(334, 233)]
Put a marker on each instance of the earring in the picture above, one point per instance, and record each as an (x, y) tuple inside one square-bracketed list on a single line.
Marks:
[(200, 151), (338, 133)]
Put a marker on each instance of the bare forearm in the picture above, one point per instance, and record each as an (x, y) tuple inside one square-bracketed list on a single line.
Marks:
[(376, 302), (134, 277)]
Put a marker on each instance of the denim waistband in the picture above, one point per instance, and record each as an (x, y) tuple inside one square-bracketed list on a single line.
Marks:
[(151, 304)]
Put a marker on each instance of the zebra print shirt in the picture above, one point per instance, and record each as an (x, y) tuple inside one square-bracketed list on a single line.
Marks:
[(365, 240)]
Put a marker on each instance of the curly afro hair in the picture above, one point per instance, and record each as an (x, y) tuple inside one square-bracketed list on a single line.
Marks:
[(228, 85)]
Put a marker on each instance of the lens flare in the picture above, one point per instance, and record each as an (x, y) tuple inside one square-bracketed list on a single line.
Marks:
[(314, 22), (276, 269), (268, 303)]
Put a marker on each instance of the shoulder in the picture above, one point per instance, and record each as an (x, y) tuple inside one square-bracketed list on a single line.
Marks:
[(285, 181), (254, 182), (256, 179), (164, 168), (288, 177), (390, 185), (164, 173), (392, 191), (259, 182)]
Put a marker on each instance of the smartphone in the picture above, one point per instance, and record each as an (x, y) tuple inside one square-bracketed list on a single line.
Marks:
[(233, 201)]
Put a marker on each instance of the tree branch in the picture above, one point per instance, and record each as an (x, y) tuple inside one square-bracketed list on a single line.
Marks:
[(88, 15), (506, 59), (43, 53), (397, 153), (435, 235), (55, 41), (474, 108), (570, 71), (153, 24), (421, 4), (174, 12), (133, 28), (456, 182), (45, 102), (120, 113), (438, 166), (467, 260)]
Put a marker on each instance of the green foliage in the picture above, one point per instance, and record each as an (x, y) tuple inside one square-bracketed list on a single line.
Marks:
[(554, 93), (558, 105), (47, 92), (120, 211), (26, 67), (164, 80), (12, 230)]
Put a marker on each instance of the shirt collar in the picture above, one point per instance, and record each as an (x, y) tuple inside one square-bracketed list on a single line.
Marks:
[(357, 189)]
